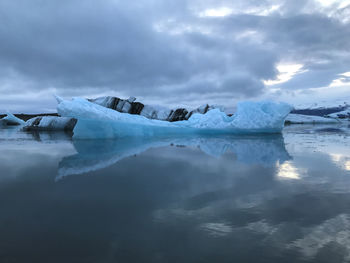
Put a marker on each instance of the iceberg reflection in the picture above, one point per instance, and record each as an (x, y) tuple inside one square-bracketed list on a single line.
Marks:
[(93, 155)]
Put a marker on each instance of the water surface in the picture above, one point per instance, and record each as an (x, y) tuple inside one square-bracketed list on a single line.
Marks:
[(268, 198)]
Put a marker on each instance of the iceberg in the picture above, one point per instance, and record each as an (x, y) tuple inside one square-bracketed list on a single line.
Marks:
[(11, 119), (98, 122)]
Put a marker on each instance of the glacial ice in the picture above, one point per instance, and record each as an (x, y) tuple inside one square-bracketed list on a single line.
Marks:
[(11, 119), (95, 121)]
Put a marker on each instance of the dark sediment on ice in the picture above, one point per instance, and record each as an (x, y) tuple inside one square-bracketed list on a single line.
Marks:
[(133, 107)]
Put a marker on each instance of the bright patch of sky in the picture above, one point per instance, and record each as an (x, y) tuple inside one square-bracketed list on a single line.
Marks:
[(337, 3), (173, 27), (285, 73), (343, 80), (346, 74), (226, 11), (216, 12), (338, 9)]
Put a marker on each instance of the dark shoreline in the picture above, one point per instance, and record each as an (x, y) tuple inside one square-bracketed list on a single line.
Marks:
[(26, 117)]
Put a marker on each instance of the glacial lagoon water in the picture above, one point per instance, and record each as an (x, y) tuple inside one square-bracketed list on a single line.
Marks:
[(267, 198)]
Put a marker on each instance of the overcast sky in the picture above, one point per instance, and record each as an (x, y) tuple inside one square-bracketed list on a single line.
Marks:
[(174, 53)]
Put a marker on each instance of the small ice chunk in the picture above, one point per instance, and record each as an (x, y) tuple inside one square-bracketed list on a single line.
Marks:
[(58, 98), (120, 105), (107, 101), (126, 107), (149, 112), (50, 123), (340, 114), (131, 99), (11, 119), (203, 109), (163, 114)]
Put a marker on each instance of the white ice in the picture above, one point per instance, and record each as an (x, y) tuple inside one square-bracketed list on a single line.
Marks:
[(308, 119), (339, 114), (95, 121)]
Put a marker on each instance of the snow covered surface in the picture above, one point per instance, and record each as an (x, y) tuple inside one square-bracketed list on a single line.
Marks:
[(95, 121), (334, 108), (308, 119), (340, 114), (340, 102), (10, 119)]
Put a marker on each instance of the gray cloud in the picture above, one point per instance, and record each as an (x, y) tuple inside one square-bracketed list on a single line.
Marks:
[(165, 49)]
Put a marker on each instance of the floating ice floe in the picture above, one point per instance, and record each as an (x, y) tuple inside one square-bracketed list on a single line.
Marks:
[(308, 119), (11, 119), (95, 121), (50, 123)]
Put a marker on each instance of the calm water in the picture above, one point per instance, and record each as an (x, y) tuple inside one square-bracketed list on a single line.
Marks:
[(279, 198)]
